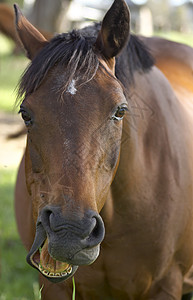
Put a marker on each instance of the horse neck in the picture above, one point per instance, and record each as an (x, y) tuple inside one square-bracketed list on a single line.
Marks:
[(147, 145)]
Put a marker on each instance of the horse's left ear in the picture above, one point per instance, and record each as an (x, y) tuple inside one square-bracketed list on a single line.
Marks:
[(114, 31), (32, 40)]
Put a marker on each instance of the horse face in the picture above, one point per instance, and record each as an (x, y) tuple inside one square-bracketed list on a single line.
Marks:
[(73, 143), (73, 146), (71, 157)]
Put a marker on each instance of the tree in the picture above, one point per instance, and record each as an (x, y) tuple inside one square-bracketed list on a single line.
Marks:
[(45, 14)]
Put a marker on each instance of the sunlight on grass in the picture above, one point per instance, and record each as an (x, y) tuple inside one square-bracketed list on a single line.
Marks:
[(18, 280), (7, 99), (185, 38), (11, 68), (6, 45)]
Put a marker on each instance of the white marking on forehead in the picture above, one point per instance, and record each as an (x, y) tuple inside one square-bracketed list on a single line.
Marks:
[(71, 88)]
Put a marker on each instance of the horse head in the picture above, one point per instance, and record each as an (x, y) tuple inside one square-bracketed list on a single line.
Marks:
[(73, 106)]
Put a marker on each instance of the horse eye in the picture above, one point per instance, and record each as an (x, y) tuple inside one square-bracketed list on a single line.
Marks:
[(120, 113), (26, 117)]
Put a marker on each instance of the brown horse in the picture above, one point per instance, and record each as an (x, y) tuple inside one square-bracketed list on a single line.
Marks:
[(105, 136), (7, 25), (176, 62)]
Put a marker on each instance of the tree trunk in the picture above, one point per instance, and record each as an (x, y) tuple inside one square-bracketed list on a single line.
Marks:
[(46, 13)]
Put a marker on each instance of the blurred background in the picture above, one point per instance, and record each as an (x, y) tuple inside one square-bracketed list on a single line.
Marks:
[(172, 19)]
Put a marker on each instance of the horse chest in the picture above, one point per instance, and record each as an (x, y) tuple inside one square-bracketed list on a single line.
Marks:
[(113, 281)]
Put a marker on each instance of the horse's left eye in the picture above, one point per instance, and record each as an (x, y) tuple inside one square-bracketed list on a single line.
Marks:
[(120, 113)]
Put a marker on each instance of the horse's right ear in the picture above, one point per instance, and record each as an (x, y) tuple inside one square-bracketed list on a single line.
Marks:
[(32, 40)]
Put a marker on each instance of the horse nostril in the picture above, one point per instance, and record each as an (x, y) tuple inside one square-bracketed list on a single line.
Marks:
[(47, 218), (98, 232), (97, 229)]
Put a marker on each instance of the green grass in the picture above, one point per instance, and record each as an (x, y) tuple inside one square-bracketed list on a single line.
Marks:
[(6, 45), (18, 280), (11, 68), (74, 289), (185, 38)]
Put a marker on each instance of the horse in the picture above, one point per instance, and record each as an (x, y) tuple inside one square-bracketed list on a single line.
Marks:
[(104, 191), (175, 60), (7, 26)]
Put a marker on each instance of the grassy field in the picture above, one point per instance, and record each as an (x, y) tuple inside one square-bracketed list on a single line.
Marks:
[(185, 38), (11, 68), (19, 281)]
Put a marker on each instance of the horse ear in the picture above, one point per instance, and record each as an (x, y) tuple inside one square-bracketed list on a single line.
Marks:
[(115, 30), (32, 40)]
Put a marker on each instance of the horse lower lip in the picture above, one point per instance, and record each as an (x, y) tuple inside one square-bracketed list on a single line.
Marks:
[(59, 277), (36, 258), (39, 258)]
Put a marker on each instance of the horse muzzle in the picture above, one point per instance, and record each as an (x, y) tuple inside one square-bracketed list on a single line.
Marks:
[(62, 243)]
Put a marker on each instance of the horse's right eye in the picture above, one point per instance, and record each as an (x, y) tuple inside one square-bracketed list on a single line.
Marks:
[(26, 117)]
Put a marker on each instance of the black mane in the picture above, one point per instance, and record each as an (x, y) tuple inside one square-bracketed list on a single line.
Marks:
[(134, 57), (75, 51)]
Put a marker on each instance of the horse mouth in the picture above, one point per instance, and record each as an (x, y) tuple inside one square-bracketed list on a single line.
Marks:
[(52, 269)]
